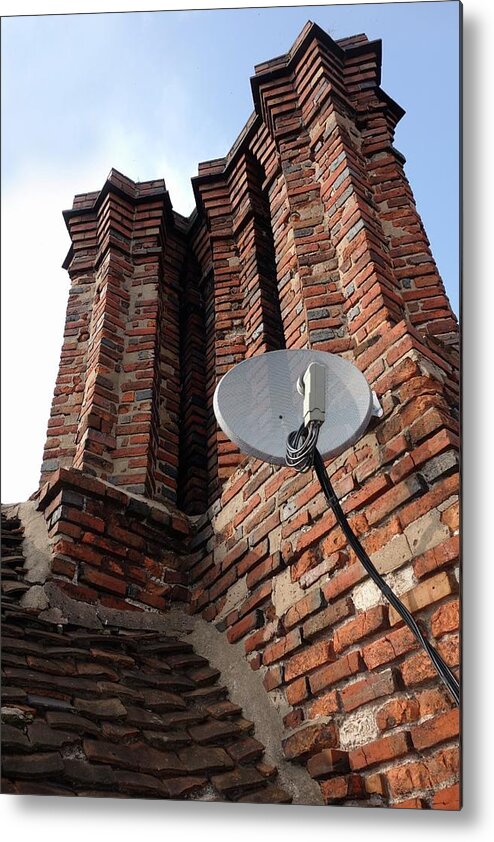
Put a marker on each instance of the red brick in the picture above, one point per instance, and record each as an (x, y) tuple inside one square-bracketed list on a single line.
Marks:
[(258, 639), (449, 649), (434, 701), (336, 539), (251, 621), (63, 527), (307, 561), (345, 786), (425, 425), (265, 528), (370, 491), (259, 516), (332, 673), (308, 494), (325, 705), (279, 648), (305, 606), (419, 386), (105, 545), (446, 618), (392, 499), (451, 516), (274, 484), (442, 441), (425, 593), (223, 583), (426, 774), (380, 536), (273, 677), (380, 751), (78, 591), (448, 798), (231, 490), (437, 730), (234, 554), (327, 618), (63, 567), (308, 659), (441, 491), (264, 569), (246, 510), (126, 537), (258, 477), (388, 648), (397, 375), (255, 661), (328, 762), (442, 555), (394, 448), (419, 667), (81, 552), (103, 580), (362, 626), (309, 740), (375, 784), (88, 521), (344, 580), (253, 557), (295, 524), (293, 719), (297, 691), (369, 688), (397, 712), (256, 599), (315, 532)]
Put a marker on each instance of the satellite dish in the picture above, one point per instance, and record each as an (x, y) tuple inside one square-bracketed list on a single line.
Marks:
[(259, 402)]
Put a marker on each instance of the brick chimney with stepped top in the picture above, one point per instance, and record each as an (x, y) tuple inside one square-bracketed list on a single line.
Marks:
[(305, 235)]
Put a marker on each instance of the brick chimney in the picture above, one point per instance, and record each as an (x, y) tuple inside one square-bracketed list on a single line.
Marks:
[(306, 235)]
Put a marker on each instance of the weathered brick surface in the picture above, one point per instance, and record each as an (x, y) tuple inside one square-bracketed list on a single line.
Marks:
[(367, 689), (387, 748), (436, 730), (309, 659), (424, 775), (448, 798), (328, 762), (309, 740), (397, 712), (342, 788)]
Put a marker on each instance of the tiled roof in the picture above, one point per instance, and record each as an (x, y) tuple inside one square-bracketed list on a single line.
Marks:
[(116, 712)]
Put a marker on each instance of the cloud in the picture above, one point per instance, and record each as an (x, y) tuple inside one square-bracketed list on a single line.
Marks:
[(34, 291), (35, 287)]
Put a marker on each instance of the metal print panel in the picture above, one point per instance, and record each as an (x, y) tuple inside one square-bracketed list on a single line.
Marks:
[(181, 620)]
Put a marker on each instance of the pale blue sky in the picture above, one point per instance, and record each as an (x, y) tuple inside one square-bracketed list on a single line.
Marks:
[(152, 94)]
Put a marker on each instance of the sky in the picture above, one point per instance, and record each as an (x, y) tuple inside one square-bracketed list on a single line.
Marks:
[(152, 94)]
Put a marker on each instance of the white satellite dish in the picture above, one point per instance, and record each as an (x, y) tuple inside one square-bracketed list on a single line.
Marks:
[(258, 403)]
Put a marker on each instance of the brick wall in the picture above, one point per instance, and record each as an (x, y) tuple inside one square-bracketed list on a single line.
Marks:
[(305, 235), (113, 548), (277, 574)]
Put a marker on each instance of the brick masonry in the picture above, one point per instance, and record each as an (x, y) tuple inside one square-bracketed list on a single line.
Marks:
[(305, 235)]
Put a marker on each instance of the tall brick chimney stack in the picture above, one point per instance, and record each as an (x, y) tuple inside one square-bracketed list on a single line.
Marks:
[(305, 235)]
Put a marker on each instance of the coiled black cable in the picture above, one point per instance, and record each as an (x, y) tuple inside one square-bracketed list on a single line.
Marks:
[(301, 446), (307, 460)]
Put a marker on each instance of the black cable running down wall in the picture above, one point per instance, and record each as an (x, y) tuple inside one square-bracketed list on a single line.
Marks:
[(445, 673)]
